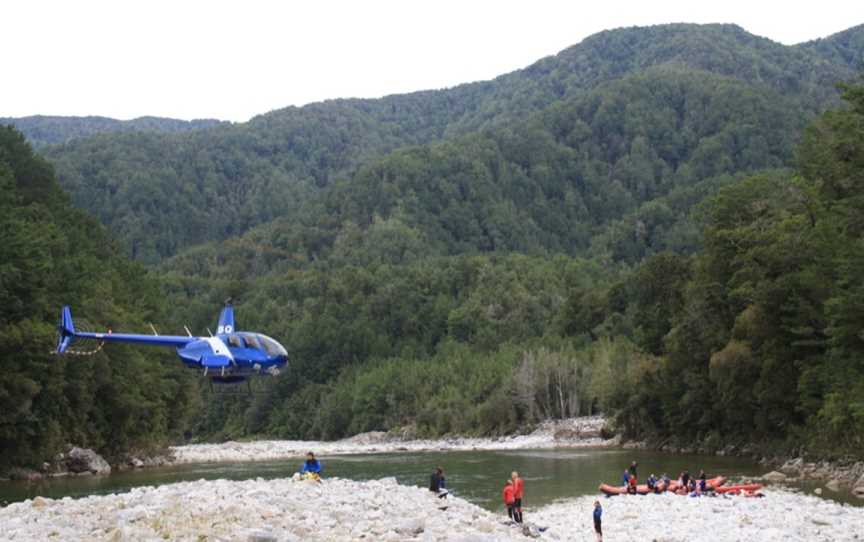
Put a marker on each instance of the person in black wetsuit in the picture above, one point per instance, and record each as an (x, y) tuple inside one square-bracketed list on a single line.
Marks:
[(437, 483)]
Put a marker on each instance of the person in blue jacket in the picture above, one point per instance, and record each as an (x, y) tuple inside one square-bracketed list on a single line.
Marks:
[(311, 467), (598, 518), (652, 483)]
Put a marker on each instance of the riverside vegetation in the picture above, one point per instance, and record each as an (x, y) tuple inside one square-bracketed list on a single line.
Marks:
[(661, 224)]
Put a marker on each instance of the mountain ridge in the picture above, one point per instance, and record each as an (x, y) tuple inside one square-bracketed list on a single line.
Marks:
[(277, 160), (43, 130)]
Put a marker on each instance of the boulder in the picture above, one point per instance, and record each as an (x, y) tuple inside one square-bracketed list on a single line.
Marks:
[(792, 467), (83, 460), (262, 536), (818, 491), (411, 527), (30, 475), (775, 476), (858, 488), (833, 485)]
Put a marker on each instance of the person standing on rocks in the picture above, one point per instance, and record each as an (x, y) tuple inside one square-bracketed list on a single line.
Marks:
[(509, 498), (518, 495), (598, 519)]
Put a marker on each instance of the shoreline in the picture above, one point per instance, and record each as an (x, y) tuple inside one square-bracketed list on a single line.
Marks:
[(582, 432), (338, 509)]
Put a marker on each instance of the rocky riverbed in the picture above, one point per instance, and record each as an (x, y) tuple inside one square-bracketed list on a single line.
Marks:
[(781, 516), (572, 433), (289, 510)]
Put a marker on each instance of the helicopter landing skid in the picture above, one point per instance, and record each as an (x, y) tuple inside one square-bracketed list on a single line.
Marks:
[(247, 386)]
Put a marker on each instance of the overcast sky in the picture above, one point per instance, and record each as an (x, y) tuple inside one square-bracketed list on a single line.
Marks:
[(232, 60)]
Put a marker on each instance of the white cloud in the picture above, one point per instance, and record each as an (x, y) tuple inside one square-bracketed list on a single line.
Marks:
[(232, 60)]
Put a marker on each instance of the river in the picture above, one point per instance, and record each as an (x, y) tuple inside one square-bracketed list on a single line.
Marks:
[(477, 476)]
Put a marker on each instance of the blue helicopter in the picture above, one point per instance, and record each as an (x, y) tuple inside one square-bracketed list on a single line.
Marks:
[(229, 357)]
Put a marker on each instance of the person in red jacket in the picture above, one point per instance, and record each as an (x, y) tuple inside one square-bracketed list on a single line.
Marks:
[(509, 498), (518, 494)]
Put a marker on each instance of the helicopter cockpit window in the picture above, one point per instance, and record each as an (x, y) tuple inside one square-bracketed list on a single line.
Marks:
[(235, 341), (251, 341), (272, 347)]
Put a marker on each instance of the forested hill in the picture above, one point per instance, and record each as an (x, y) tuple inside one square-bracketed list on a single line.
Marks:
[(42, 130), (845, 47), (53, 254), (643, 148), (218, 183)]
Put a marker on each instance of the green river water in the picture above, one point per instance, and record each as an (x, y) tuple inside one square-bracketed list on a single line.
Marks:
[(478, 476)]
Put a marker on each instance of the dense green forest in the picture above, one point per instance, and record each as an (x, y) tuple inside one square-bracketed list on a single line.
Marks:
[(756, 336), (53, 254), (661, 224)]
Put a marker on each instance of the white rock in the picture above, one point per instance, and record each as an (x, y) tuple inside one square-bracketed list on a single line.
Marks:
[(347, 510), (775, 476), (82, 460), (411, 527)]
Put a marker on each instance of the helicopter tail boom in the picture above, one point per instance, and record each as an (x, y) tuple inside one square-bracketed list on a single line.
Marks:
[(66, 330), (66, 334)]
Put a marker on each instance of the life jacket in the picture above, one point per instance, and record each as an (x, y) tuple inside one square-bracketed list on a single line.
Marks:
[(509, 494), (519, 488)]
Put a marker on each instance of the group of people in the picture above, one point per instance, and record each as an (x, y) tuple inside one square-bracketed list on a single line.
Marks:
[(631, 479), (514, 492), (696, 486), (514, 488)]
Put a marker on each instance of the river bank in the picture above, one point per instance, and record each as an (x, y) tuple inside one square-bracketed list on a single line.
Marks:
[(836, 475), (585, 432), (781, 516), (336, 509)]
